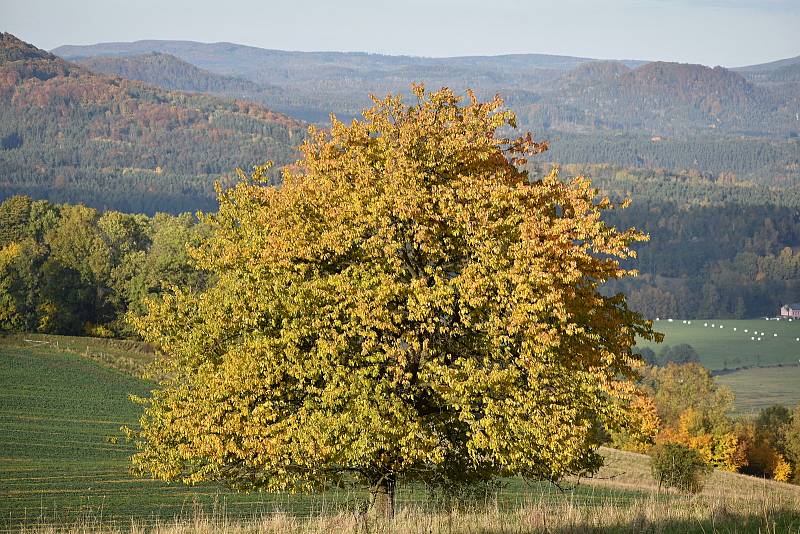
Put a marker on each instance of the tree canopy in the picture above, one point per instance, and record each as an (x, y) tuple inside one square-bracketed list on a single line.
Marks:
[(69, 269), (409, 305)]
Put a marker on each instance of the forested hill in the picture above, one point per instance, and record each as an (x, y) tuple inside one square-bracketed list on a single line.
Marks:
[(660, 98), (169, 72), (549, 92), (318, 83), (174, 74), (70, 135)]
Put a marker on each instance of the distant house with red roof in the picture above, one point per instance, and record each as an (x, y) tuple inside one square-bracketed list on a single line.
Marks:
[(791, 310)]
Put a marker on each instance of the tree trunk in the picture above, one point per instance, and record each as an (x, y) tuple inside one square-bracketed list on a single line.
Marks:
[(384, 497)]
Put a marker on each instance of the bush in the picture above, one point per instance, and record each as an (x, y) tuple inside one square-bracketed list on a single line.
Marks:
[(677, 466), (97, 330)]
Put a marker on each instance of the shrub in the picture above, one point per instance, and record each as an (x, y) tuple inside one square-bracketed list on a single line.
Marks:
[(97, 330), (677, 466)]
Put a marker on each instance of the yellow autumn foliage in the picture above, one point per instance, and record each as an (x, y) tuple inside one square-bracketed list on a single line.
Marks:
[(763, 458), (9, 314), (407, 305), (720, 447), (645, 424), (782, 470)]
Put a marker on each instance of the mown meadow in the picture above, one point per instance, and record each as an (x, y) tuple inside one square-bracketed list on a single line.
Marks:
[(758, 359), (733, 344), (761, 387)]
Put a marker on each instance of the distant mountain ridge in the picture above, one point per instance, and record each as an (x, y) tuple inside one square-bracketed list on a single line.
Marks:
[(563, 93), (658, 97), (318, 83), (209, 56), (68, 134), (772, 65), (169, 72)]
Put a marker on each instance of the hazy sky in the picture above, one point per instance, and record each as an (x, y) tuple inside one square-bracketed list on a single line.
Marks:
[(713, 32)]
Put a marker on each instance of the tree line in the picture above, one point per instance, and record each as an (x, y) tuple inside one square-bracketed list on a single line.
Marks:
[(685, 406), (720, 246), (70, 269)]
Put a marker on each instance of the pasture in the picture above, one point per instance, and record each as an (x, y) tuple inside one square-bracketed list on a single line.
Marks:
[(64, 465), (761, 387), (732, 344)]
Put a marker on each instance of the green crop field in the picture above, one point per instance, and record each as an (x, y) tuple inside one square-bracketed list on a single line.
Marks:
[(731, 344), (63, 457), (63, 461), (765, 353)]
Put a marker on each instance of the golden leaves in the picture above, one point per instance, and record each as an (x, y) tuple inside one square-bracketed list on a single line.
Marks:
[(407, 303)]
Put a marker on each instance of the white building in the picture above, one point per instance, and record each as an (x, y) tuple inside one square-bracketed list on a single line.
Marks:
[(790, 310)]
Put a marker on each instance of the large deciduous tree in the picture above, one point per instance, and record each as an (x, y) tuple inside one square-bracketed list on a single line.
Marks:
[(408, 305)]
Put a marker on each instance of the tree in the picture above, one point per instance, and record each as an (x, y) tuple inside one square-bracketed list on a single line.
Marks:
[(792, 443), (765, 456), (772, 423), (408, 305), (9, 312), (14, 215), (676, 388), (677, 466), (680, 354), (694, 412), (163, 263)]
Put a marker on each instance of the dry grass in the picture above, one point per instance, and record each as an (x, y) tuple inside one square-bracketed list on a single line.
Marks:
[(656, 513), (730, 503), (628, 470)]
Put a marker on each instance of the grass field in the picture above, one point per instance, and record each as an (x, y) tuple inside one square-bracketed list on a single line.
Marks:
[(63, 464), (761, 387), (63, 457), (730, 344), (128, 356)]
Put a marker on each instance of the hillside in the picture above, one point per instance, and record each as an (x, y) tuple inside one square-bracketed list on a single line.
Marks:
[(171, 73), (318, 83), (67, 134), (630, 470), (550, 92), (660, 99), (65, 462), (174, 74), (772, 65)]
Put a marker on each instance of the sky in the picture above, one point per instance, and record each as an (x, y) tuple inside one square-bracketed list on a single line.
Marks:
[(730, 33)]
